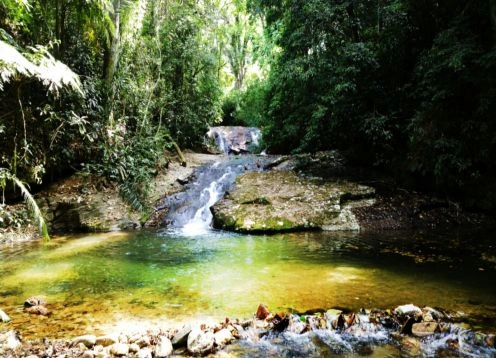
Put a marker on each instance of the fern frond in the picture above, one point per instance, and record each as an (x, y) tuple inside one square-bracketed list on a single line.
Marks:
[(38, 216)]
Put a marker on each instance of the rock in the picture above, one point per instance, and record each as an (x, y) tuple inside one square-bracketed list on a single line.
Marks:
[(39, 310), (106, 341), (200, 342), (34, 301), (409, 309), (262, 312), (88, 354), (410, 347), (123, 338), (134, 348), (88, 340), (424, 329), (145, 353), (281, 201), (10, 341), (431, 314), (4, 317), (223, 337), (163, 347), (296, 325), (180, 339), (119, 349)]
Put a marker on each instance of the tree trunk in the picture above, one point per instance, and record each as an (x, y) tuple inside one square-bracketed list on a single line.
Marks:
[(112, 53)]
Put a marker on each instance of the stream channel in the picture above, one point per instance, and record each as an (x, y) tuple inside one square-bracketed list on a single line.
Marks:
[(100, 283)]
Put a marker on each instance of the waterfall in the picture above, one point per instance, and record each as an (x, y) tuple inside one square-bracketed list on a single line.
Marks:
[(234, 139), (189, 211), (200, 223)]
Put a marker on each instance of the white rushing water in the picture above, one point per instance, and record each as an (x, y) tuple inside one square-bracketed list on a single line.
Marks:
[(202, 220), (189, 211)]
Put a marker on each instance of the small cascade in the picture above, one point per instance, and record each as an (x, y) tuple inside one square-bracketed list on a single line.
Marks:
[(189, 211), (234, 139)]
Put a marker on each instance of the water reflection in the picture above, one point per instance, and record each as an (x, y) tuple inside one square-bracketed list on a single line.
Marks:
[(96, 281)]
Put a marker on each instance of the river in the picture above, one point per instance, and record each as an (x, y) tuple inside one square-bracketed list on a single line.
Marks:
[(122, 281)]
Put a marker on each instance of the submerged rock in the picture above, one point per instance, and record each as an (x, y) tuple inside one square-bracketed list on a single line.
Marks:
[(283, 201)]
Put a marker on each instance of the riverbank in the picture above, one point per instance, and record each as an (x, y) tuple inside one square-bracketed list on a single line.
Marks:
[(80, 203), (406, 330)]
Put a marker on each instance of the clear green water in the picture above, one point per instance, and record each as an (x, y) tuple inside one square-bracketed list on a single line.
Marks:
[(106, 282)]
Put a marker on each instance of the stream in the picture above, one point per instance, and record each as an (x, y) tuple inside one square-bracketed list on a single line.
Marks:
[(101, 283)]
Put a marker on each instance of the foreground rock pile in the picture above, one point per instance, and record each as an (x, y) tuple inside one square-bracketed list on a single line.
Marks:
[(413, 331)]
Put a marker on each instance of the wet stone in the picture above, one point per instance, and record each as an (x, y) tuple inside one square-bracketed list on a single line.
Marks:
[(424, 329)]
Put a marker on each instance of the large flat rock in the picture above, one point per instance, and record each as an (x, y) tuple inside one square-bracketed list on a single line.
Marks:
[(282, 201)]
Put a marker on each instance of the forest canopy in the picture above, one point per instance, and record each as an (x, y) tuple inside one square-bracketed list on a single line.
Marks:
[(104, 86)]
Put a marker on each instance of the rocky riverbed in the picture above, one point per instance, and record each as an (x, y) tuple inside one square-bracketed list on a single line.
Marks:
[(406, 330)]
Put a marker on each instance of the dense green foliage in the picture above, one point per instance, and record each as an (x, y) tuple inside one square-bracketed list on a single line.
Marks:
[(149, 76), (406, 85)]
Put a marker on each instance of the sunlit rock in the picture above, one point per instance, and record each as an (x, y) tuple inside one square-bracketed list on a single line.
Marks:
[(200, 341), (119, 349), (163, 348), (180, 339), (282, 201), (10, 341), (262, 312), (145, 353), (223, 337), (409, 309), (424, 329), (4, 317)]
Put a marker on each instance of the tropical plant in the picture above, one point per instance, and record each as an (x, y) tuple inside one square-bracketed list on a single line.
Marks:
[(7, 176)]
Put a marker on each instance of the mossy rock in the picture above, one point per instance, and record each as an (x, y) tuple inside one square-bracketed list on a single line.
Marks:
[(282, 201)]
